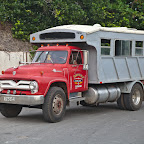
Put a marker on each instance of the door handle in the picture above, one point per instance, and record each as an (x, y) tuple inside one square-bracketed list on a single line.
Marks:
[(74, 65)]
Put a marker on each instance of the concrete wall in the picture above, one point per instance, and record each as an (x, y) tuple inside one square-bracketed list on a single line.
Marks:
[(11, 59)]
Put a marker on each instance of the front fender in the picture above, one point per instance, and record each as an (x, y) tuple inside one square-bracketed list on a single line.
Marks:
[(57, 80)]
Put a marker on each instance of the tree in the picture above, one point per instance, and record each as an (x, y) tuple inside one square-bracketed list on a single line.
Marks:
[(31, 16)]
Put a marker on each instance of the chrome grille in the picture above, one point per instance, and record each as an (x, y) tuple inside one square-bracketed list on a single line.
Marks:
[(10, 84)]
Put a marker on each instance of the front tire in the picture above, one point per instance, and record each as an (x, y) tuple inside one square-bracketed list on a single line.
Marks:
[(10, 110), (54, 106), (133, 101)]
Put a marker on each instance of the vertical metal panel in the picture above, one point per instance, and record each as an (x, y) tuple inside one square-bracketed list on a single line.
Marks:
[(115, 67), (109, 69), (141, 64), (133, 48), (133, 67), (122, 68)]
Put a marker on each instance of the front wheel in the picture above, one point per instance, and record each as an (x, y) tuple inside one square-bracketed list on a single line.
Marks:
[(10, 110), (54, 105), (133, 101)]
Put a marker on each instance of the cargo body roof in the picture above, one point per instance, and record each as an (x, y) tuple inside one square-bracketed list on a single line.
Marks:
[(91, 29)]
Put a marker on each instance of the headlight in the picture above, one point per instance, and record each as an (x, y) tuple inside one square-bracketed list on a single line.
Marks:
[(33, 86)]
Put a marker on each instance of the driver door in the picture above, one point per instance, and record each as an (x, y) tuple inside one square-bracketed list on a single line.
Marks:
[(78, 78)]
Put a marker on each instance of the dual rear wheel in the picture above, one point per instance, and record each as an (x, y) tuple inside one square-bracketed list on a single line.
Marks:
[(133, 100)]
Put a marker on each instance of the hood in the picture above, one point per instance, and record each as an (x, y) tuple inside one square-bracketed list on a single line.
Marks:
[(29, 71)]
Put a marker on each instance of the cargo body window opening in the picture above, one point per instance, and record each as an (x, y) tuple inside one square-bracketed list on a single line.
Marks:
[(123, 48), (139, 48), (105, 47)]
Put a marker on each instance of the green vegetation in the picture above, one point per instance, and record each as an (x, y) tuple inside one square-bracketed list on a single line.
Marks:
[(29, 16)]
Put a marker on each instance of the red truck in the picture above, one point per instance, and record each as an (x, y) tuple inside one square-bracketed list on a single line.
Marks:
[(86, 64), (47, 80)]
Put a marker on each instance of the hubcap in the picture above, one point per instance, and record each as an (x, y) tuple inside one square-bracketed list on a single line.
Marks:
[(57, 104), (136, 97)]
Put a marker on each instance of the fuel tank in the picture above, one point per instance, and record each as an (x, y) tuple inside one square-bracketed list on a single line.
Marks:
[(101, 94)]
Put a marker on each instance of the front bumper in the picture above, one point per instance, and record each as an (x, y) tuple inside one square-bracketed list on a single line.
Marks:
[(22, 99)]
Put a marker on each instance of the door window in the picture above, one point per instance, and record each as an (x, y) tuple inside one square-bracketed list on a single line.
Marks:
[(75, 58)]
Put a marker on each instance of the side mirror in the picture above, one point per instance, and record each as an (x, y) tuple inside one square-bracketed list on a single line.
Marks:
[(86, 57)]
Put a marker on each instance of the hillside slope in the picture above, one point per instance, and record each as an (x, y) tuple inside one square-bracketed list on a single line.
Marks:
[(10, 44)]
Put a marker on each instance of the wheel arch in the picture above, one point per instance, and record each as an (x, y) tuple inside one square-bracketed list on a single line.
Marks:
[(126, 87), (60, 84)]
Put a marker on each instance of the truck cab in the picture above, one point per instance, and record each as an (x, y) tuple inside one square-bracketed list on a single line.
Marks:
[(53, 67), (63, 64)]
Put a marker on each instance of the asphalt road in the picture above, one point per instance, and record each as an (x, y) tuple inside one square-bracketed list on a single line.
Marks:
[(105, 124)]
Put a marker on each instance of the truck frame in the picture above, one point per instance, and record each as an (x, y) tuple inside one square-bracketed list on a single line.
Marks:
[(86, 64)]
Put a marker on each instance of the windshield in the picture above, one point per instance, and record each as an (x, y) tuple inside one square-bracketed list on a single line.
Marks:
[(58, 57)]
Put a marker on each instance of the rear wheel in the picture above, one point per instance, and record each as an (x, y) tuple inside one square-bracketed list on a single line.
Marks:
[(133, 101), (120, 102), (54, 105), (10, 110)]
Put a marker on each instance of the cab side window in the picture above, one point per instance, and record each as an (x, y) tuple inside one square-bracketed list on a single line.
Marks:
[(75, 58)]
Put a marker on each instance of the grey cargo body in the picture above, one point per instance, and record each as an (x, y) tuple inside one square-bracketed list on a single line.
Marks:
[(102, 69)]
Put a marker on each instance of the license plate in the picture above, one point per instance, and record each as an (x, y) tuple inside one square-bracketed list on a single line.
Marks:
[(9, 99)]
